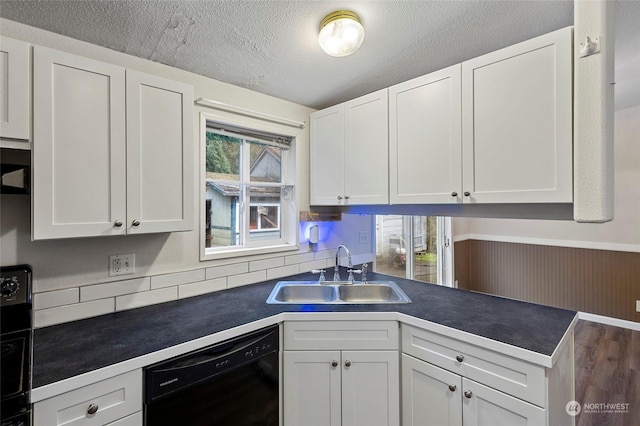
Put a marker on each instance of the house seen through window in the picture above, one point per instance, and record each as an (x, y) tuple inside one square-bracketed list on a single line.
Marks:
[(245, 188)]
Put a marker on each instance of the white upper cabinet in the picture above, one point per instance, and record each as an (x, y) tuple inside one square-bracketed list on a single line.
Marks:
[(97, 172), (15, 93), (349, 152), (160, 154), (78, 146), (517, 123), (425, 144), (327, 156)]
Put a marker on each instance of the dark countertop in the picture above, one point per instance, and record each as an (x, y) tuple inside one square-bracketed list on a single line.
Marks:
[(66, 350)]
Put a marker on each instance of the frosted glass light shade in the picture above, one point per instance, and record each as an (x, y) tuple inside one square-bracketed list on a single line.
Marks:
[(341, 33)]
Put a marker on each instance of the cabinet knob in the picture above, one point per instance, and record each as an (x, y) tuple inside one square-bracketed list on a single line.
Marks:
[(468, 394), (452, 388), (93, 408), (117, 223), (347, 363), (339, 197), (334, 363), (459, 358), (135, 222), (454, 194), (467, 193), (346, 197)]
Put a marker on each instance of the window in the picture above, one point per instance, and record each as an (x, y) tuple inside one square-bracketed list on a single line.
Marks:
[(415, 247), (248, 199)]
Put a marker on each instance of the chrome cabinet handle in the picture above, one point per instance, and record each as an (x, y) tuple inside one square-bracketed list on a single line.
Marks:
[(452, 388), (459, 358), (117, 223), (135, 222), (347, 363), (454, 194), (334, 363), (93, 408), (468, 394), (467, 193)]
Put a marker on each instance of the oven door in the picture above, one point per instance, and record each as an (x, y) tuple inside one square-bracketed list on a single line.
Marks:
[(14, 384)]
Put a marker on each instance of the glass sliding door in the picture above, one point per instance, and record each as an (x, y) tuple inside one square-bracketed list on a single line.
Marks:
[(415, 247)]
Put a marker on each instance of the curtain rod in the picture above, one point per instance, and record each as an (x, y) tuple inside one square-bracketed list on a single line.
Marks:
[(249, 113)]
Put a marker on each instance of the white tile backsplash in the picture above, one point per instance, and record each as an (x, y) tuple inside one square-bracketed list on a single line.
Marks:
[(299, 258), (226, 270), (202, 287), (60, 314), (244, 279), (118, 288), (136, 300), (51, 299), (86, 301), (283, 271), (258, 265), (167, 280)]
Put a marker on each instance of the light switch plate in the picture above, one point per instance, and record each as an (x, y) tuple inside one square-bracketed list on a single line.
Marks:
[(637, 305)]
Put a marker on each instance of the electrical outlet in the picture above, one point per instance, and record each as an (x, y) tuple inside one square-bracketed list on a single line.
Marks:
[(122, 264), (364, 237), (637, 305)]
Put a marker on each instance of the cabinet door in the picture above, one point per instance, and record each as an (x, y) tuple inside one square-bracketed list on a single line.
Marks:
[(15, 93), (366, 149), (311, 383), (327, 157), (425, 142), (430, 395), (517, 117), (78, 146), (160, 154), (484, 406), (370, 388)]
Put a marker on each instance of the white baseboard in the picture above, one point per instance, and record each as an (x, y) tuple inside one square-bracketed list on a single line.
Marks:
[(632, 325)]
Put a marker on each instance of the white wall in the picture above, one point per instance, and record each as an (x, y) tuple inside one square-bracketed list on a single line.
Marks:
[(65, 269), (623, 233)]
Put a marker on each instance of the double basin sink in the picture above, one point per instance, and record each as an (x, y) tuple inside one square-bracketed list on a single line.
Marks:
[(336, 292)]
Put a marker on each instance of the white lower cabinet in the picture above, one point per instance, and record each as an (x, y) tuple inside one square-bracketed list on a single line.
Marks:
[(114, 401), (340, 387), (433, 396), (447, 382)]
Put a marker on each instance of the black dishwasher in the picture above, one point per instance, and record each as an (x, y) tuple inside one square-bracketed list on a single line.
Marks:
[(234, 382)]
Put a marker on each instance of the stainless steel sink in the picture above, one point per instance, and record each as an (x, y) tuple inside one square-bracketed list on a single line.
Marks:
[(336, 292)]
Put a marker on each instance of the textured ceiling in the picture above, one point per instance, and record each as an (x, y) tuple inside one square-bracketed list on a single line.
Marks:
[(271, 46)]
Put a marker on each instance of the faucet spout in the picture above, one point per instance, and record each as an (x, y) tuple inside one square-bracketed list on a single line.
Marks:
[(336, 273)]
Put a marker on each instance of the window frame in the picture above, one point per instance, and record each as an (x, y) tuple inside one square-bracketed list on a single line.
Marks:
[(288, 205)]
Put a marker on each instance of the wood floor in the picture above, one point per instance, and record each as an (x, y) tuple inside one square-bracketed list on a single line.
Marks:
[(607, 362)]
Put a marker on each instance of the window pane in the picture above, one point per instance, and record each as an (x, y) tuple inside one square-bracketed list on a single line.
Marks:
[(223, 157), (391, 237), (222, 215), (425, 243), (264, 213), (395, 256), (266, 163)]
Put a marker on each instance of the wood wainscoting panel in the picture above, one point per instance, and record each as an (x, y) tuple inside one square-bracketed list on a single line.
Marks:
[(601, 282)]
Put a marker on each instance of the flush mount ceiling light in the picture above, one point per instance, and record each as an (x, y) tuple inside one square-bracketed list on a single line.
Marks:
[(341, 33)]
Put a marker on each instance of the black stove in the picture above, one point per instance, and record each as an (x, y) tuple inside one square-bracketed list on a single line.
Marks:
[(15, 345)]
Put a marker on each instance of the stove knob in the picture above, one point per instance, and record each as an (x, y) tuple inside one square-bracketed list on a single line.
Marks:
[(8, 287)]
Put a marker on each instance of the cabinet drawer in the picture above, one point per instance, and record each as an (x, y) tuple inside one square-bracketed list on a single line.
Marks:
[(115, 398), (505, 373), (340, 335)]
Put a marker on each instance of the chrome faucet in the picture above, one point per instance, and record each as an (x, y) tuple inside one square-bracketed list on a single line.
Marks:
[(336, 273)]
